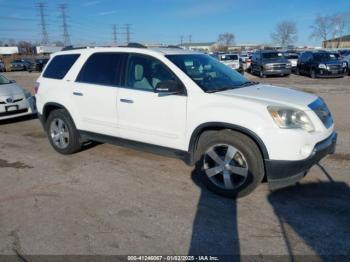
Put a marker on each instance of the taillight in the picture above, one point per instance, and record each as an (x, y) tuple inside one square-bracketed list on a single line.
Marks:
[(36, 87)]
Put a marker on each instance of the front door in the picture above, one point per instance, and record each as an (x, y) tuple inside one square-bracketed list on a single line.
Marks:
[(146, 116)]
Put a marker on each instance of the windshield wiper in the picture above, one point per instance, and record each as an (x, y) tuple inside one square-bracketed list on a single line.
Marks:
[(249, 83), (219, 89)]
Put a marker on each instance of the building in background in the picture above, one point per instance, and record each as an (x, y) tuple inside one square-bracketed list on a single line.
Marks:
[(339, 42), (46, 50), (8, 50)]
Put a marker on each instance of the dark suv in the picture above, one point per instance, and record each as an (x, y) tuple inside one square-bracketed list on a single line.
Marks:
[(38, 65), (270, 63), (320, 64)]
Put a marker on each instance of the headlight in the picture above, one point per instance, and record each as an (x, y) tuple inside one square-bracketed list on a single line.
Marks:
[(323, 66), (288, 65), (290, 118), (344, 64)]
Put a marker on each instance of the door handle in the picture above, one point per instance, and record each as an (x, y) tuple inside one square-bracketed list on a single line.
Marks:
[(126, 101), (78, 94)]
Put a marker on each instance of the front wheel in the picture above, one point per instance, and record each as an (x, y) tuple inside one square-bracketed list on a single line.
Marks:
[(62, 133), (313, 73), (261, 73), (230, 163)]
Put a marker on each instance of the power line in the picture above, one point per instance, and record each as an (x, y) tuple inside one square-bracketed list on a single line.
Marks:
[(44, 34), (66, 39), (127, 33), (114, 28)]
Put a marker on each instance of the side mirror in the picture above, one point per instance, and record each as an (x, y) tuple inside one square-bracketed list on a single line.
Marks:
[(169, 87), (12, 81)]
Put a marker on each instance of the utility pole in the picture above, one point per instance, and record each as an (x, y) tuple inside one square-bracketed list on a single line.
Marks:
[(114, 28), (127, 33), (66, 39), (44, 34)]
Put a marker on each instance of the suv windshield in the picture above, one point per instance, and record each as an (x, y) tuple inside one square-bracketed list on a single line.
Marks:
[(228, 57), (209, 73), (325, 57), (4, 80), (271, 55)]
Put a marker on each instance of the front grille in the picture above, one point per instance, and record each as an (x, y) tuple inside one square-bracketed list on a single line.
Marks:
[(322, 111), (334, 67), (279, 66), (13, 112)]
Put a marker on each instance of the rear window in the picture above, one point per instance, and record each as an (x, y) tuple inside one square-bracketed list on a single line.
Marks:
[(102, 69), (60, 65)]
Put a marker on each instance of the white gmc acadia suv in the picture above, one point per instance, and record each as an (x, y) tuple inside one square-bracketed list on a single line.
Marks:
[(187, 105)]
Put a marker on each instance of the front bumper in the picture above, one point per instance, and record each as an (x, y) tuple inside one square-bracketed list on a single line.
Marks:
[(282, 173), (24, 108), (268, 71), (330, 73)]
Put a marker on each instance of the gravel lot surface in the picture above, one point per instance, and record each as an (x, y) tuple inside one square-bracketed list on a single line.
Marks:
[(112, 200)]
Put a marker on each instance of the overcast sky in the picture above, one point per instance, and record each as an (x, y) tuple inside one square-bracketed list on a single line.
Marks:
[(164, 21)]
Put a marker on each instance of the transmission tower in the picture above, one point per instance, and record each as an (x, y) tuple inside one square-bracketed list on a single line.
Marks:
[(66, 39), (127, 33), (114, 28), (44, 34), (181, 39), (190, 39)]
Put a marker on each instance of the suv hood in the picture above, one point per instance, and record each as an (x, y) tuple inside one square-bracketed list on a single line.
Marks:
[(273, 95), (10, 89)]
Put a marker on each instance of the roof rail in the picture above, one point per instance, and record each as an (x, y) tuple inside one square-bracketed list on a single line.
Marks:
[(137, 45), (70, 47)]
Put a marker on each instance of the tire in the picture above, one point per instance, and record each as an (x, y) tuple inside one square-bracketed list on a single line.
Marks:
[(246, 160), (261, 73), (313, 73), (297, 71), (59, 123)]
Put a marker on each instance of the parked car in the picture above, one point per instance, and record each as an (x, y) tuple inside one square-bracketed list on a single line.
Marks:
[(321, 64), (293, 59), (231, 60), (266, 63), (20, 65), (2, 66), (15, 101), (188, 105), (347, 60), (37, 65)]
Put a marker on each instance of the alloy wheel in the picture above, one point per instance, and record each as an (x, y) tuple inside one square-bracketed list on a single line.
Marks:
[(225, 166), (59, 133)]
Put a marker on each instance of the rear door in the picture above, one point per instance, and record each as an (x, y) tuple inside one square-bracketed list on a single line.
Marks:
[(144, 115), (94, 92)]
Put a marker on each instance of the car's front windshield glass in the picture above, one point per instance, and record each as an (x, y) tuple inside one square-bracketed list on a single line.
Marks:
[(325, 57), (4, 80), (272, 55), (210, 74)]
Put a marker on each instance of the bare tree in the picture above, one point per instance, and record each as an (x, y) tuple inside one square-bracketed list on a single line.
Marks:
[(339, 24), (225, 40), (285, 33), (322, 28)]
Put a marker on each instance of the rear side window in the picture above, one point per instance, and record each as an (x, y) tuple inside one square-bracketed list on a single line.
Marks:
[(60, 65), (102, 69)]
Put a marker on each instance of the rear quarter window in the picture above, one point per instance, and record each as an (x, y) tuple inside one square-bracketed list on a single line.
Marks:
[(60, 65)]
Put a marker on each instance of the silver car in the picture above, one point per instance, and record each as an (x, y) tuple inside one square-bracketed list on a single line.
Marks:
[(15, 101)]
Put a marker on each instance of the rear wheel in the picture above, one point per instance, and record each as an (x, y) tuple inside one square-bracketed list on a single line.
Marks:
[(230, 163), (62, 133)]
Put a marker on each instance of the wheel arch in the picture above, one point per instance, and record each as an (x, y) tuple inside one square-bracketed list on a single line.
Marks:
[(220, 126), (49, 107)]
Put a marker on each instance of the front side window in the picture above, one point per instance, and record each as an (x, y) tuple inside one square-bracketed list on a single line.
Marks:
[(209, 73), (145, 73), (320, 57), (102, 69), (60, 65)]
